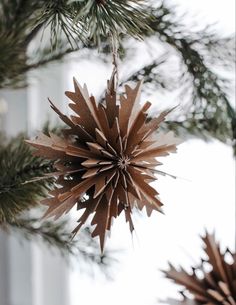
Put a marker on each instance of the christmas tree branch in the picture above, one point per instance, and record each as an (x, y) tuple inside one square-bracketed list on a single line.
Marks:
[(207, 111), (20, 186), (57, 237), (110, 17), (74, 22), (204, 98)]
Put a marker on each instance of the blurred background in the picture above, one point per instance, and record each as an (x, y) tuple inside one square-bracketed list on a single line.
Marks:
[(202, 197)]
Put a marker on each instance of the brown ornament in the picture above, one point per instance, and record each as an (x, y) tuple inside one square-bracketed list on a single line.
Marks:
[(106, 159), (214, 287)]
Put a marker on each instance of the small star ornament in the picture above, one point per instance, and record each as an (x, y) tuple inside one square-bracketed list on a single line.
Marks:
[(214, 287), (106, 158)]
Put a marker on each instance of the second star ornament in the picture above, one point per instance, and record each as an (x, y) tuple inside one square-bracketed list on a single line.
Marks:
[(106, 159)]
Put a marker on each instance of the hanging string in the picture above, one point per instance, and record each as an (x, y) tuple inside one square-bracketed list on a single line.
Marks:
[(115, 59), (114, 82)]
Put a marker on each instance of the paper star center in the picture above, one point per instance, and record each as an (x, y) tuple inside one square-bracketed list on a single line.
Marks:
[(123, 162)]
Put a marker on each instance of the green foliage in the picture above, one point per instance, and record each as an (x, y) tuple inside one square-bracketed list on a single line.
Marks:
[(58, 237), (109, 17), (60, 17), (22, 180), (206, 111), (71, 24)]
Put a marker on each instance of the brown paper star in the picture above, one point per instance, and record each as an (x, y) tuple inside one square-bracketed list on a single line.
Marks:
[(216, 287), (106, 159)]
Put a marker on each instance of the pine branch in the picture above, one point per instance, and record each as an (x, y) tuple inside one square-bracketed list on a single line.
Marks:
[(22, 181), (207, 109), (57, 236), (152, 76), (207, 113), (60, 17), (76, 22), (109, 17)]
